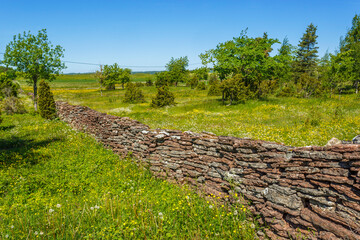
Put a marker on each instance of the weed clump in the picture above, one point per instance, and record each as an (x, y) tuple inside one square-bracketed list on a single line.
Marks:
[(133, 94), (163, 98), (46, 100)]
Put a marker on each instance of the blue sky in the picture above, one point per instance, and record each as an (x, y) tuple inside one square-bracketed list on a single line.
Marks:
[(146, 34)]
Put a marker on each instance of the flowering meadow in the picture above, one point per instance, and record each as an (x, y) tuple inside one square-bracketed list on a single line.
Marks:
[(57, 183), (289, 120)]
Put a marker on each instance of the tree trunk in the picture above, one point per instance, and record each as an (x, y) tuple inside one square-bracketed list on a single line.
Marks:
[(35, 93), (223, 98), (357, 86), (121, 85)]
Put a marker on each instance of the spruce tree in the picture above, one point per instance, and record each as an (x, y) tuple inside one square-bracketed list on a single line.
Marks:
[(46, 101), (352, 44), (163, 98), (305, 64)]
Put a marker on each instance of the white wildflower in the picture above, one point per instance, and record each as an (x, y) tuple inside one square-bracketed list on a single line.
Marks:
[(97, 207), (236, 212), (41, 233), (12, 226), (161, 215), (51, 210), (211, 206), (7, 236), (91, 208), (58, 205), (36, 233)]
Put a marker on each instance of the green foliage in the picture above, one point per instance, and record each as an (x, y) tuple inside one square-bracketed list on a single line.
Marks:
[(234, 89), (46, 100), (214, 89), (201, 86), (114, 74), (13, 105), (201, 72), (352, 44), (133, 94), (8, 87), (163, 79), (193, 81), (177, 69), (246, 56), (305, 64), (163, 97), (149, 83), (284, 58), (94, 195), (213, 79), (34, 58)]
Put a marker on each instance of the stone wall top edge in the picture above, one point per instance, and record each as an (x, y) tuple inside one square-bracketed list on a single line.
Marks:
[(226, 139)]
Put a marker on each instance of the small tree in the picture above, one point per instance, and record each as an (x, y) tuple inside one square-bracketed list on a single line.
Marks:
[(133, 94), (35, 58), (114, 74), (163, 98), (177, 69), (46, 101), (101, 78)]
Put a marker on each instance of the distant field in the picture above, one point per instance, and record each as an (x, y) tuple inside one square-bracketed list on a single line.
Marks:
[(293, 121)]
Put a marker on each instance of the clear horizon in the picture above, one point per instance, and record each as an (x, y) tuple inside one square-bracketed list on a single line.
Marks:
[(144, 35)]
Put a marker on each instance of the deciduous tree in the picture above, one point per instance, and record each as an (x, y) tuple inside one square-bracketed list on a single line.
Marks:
[(35, 58)]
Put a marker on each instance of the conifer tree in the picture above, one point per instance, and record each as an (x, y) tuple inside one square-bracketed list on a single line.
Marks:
[(46, 101), (163, 98), (352, 44), (305, 65)]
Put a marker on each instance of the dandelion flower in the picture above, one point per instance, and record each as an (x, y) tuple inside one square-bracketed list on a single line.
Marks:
[(236, 212), (161, 215), (41, 232), (51, 210), (7, 236), (58, 205)]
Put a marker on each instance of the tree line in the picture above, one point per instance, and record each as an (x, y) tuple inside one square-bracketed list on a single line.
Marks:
[(237, 70)]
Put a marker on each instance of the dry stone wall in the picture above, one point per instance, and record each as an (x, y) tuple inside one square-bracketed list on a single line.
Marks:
[(305, 191)]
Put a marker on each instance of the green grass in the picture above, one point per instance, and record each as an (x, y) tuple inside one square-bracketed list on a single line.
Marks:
[(56, 183), (293, 121)]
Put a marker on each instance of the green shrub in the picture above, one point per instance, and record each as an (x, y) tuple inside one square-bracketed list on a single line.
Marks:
[(201, 86), (193, 81), (12, 105), (8, 88), (163, 98), (214, 90), (46, 101), (139, 84), (163, 79), (213, 78), (133, 94), (149, 83)]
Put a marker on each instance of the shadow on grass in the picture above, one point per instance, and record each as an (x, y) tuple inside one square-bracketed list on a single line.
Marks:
[(17, 152)]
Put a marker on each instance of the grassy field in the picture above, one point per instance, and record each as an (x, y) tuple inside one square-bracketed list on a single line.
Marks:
[(56, 183), (293, 121)]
